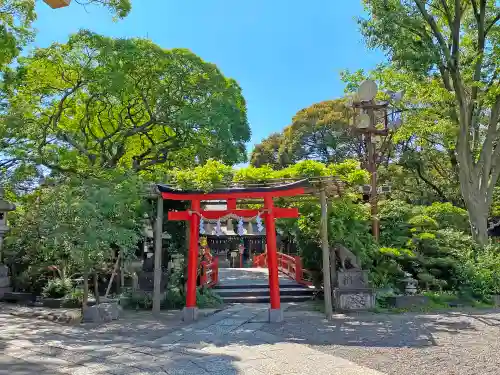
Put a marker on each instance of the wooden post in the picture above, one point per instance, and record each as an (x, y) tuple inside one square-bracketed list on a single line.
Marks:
[(96, 289), (327, 288), (158, 250)]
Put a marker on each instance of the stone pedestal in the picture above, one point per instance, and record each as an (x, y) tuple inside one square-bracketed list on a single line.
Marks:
[(105, 312), (354, 299), (353, 292), (275, 315), (189, 314), (4, 280)]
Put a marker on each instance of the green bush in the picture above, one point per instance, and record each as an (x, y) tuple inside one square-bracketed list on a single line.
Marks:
[(74, 298), (480, 271), (448, 216), (174, 299), (138, 300), (207, 298), (57, 288)]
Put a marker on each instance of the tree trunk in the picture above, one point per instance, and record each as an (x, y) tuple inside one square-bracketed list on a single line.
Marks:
[(478, 217)]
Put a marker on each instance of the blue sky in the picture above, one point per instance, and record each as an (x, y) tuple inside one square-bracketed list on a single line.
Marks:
[(285, 54)]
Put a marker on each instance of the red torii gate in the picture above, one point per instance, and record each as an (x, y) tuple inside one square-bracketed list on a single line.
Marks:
[(269, 213)]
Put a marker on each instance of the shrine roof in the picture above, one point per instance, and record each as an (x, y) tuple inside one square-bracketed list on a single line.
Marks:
[(236, 191)]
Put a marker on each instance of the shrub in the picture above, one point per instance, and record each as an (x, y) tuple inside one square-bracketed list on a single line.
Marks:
[(57, 288), (74, 298), (207, 298), (136, 300), (480, 271), (448, 216)]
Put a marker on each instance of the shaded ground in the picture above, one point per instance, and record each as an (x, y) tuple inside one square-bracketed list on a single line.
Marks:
[(239, 341), (228, 342), (454, 343)]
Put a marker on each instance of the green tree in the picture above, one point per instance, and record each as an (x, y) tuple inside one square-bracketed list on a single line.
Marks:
[(453, 45), (268, 152), (77, 225), (17, 16), (102, 103), (320, 132), (421, 163)]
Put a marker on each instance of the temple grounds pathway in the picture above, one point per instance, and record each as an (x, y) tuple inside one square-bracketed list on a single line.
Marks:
[(237, 340)]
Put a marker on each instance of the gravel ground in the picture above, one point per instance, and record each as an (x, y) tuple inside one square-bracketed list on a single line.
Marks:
[(453, 343)]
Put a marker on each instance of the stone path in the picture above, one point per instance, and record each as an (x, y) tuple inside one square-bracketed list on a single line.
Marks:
[(232, 341), (465, 342)]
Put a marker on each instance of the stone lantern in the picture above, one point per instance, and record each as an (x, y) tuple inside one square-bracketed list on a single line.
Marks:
[(54, 4), (411, 285), (4, 228)]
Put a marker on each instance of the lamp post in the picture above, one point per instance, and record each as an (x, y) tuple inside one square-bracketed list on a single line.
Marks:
[(368, 125)]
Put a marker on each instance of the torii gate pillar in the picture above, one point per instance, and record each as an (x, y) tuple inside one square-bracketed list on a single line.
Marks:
[(275, 312), (190, 311)]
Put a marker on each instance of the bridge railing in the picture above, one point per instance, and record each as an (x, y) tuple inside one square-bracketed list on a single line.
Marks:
[(290, 265), (209, 273)]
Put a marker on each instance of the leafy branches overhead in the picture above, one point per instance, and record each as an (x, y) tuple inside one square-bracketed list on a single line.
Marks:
[(16, 17), (215, 174), (97, 102)]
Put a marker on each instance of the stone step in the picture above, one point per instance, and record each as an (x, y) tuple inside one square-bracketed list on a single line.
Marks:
[(259, 285), (241, 292), (265, 299)]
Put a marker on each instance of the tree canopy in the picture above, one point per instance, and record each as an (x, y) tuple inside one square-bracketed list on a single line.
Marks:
[(320, 132), (97, 102), (17, 16)]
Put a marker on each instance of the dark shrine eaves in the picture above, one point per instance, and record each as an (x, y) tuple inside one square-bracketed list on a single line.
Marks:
[(283, 187), (238, 191)]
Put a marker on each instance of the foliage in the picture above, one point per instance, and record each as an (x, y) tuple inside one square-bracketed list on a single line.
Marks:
[(445, 47), (204, 177), (57, 288), (17, 16), (320, 132), (76, 225), (138, 300), (448, 216), (74, 297), (207, 298), (174, 299), (268, 152), (480, 270), (394, 226), (102, 103)]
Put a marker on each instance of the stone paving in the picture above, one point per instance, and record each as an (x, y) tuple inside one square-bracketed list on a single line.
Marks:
[(232, 341), (465, 342)]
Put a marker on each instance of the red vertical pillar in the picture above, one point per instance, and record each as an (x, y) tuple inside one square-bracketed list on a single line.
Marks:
[(192, 272), (272, 258)]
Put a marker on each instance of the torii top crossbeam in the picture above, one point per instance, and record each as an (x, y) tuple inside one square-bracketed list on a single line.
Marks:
[(284, 190)]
